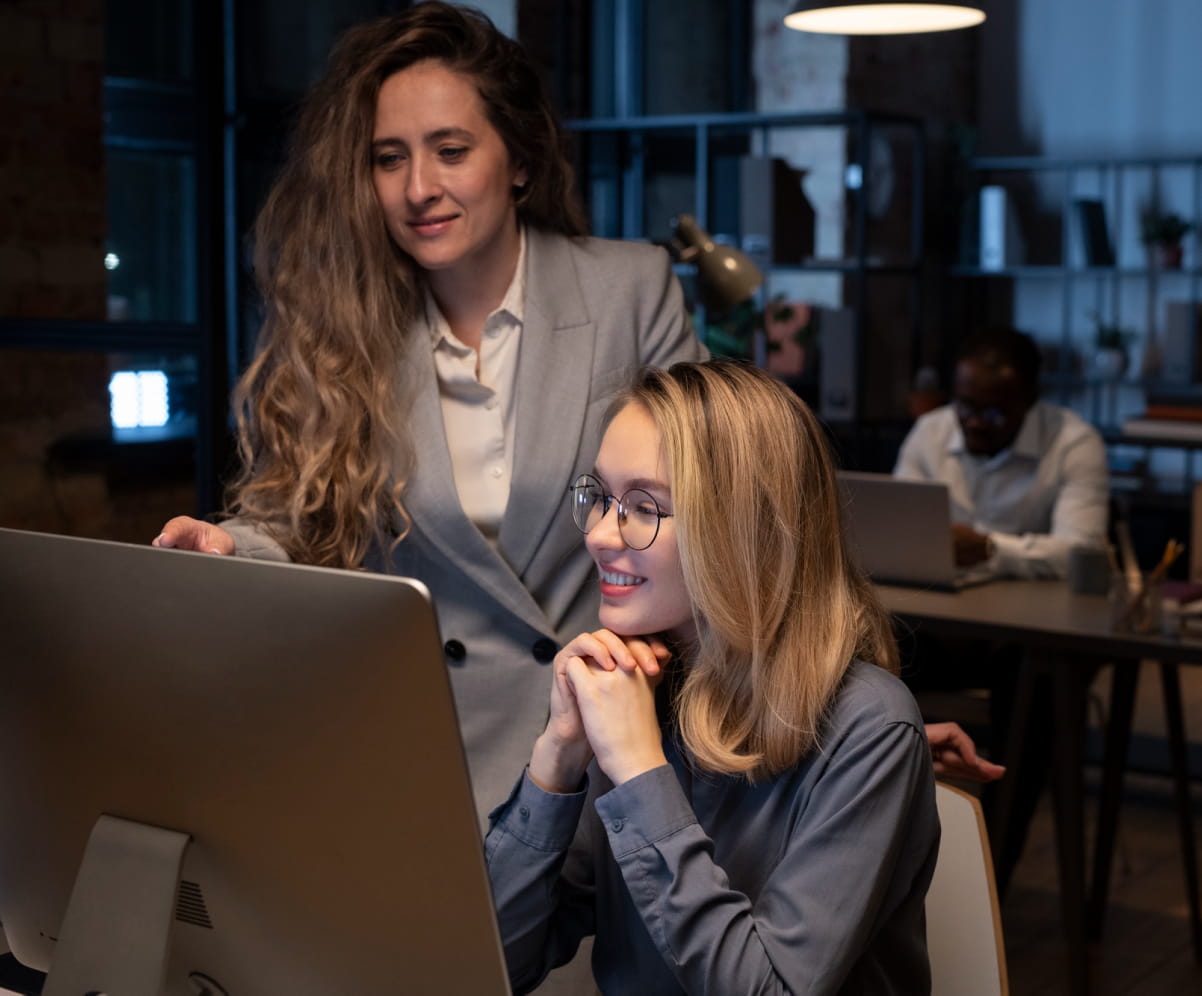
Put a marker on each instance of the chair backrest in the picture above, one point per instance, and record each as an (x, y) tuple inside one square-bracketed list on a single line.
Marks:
[(964, 925)]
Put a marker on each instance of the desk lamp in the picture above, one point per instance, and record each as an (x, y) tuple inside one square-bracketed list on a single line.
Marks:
[(726, 277)]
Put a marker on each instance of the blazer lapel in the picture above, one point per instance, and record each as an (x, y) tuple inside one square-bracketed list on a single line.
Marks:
[(553, 384), (431, 499)]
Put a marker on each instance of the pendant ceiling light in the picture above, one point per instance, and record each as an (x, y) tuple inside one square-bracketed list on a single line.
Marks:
[(881, 17)]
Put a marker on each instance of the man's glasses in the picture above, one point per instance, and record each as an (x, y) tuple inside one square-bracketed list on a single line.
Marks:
[(639, 514), (991, 418)]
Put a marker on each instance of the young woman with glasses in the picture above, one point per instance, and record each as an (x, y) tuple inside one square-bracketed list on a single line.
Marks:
[(733, 791)]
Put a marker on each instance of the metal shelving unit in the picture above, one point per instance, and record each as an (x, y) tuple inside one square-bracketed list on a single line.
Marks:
[(618, 157), (1124, 186)]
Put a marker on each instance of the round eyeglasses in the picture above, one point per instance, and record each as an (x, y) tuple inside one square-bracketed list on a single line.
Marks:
[(991, 418), (639, 514)]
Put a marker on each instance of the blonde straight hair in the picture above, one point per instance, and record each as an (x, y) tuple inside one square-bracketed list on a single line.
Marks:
[(781, 608)]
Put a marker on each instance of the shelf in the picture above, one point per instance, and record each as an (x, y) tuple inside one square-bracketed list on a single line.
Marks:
[(821, 266), (871, 263), (1081, 381), (1053, 271)]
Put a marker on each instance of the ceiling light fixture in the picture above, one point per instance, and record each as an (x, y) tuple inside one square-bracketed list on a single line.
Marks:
[(881, 17)]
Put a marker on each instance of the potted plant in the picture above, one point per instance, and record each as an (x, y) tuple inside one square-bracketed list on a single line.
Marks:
[(1110, 345), (1162, 234)]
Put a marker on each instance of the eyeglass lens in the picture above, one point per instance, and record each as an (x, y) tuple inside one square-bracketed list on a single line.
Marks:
[(638, 512), (988, 416)]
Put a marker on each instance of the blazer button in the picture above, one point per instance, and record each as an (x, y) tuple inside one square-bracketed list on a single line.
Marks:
[(544, 650), (455, 650)]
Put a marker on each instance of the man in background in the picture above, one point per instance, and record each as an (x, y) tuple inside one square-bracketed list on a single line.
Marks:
[(1027, 479)]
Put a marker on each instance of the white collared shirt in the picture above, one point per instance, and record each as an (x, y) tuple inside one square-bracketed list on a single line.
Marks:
[(1047, 492), (478, 398)]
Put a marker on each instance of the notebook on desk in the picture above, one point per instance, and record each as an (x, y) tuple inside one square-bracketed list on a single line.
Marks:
[(291, 729), (900, 532)]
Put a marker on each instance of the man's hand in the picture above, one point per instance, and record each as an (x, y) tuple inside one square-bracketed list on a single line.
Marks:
[(955, 755), (970, 546)]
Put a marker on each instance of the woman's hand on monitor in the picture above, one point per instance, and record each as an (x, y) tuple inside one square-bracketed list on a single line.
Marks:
[(184, 533)]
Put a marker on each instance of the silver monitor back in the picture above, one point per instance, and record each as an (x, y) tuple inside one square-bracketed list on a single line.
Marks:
[(296, 723)]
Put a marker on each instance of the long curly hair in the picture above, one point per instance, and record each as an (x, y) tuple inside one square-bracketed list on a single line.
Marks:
[(321, 409), (781, 608)]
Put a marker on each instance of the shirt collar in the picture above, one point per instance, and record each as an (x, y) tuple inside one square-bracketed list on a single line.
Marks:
[(1027, 444), (513, 304)]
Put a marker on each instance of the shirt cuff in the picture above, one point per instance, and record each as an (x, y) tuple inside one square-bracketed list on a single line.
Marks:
[(1009, 554), (543, 820), (648, 808)]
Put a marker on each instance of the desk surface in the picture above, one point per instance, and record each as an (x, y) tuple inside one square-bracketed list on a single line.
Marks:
[(1046, 613), (1045, 616)]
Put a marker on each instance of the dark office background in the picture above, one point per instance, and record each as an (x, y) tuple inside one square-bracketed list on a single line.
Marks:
[(137, 138)]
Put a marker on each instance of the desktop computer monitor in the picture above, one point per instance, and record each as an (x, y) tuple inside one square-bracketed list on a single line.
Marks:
[(222, 776)]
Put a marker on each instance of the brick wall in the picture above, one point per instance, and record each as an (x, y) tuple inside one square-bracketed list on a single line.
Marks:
[(52, 203), (58, 471)]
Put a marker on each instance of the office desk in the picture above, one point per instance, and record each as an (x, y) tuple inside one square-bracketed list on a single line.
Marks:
[(1066, 635)]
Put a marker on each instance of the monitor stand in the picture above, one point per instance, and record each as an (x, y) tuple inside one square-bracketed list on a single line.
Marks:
[(115, 934)]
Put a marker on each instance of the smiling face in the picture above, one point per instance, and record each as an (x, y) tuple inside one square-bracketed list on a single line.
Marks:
[(443, 175), (642, 591)]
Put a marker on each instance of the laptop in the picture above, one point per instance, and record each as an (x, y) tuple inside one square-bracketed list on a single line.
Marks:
[(272, 753), (900, 532)]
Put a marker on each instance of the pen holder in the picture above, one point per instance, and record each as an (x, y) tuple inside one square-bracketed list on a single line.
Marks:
[(1138, 610)]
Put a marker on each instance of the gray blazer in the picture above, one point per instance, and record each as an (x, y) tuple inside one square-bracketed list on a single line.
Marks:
[(596, 311)]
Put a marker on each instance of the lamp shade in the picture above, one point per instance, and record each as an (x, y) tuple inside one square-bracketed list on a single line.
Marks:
[(726, 277), (881, 17)]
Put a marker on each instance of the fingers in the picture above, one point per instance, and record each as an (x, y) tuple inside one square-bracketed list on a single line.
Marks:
[(603, 649), (955, 737), (954, 754), (617, 710), (948, 763), (186, 533)]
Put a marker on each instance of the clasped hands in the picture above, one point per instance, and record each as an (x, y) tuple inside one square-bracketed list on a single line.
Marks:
[(602, 705)]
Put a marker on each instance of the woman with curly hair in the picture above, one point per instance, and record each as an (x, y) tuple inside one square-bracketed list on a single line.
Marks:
[(439, 343), (763, 820)]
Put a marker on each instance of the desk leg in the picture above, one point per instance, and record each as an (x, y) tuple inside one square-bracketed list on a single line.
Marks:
[(1001, 828), (1114, 765), (1069, 792), (1171, 683)]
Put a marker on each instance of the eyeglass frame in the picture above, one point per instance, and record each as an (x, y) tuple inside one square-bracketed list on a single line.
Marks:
[(991, 416), (607, 500)]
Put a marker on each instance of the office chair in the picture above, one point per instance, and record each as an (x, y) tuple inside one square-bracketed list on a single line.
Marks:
[(964, 924)]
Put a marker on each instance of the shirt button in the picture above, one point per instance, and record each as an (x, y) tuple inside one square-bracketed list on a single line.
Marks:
[(455, 650), (544, 650), (525, 812), (497, 471), (616, 825), (491, 403)]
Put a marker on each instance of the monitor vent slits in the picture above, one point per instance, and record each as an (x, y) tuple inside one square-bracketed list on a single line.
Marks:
[(190, 905)]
